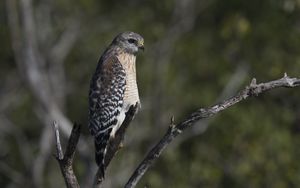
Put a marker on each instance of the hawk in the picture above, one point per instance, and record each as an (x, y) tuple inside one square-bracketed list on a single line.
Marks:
[(113, 89)]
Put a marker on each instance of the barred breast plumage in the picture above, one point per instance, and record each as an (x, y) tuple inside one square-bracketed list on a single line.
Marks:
[(131, 95)]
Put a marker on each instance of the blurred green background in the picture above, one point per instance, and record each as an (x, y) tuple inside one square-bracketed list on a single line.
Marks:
[(197, 53)]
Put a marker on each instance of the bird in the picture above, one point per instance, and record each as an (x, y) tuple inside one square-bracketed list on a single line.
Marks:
[(113, 90)]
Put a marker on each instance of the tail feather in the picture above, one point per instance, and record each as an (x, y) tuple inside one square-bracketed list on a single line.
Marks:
[(101, 142)]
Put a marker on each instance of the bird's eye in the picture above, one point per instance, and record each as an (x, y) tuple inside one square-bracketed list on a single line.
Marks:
[(131, 41)]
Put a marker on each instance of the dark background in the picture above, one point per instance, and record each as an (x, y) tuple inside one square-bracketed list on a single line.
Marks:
[(197, 53)]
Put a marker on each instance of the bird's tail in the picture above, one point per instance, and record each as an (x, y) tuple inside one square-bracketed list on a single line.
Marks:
[(101, 141)]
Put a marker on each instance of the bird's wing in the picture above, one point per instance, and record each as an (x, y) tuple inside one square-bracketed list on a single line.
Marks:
[(105, 102), (106, 95)]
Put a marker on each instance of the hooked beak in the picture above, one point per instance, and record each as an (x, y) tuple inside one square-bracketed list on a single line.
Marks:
[(141, 45), (142, 48)]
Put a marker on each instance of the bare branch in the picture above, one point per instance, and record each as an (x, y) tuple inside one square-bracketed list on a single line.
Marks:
[(65, 161), (115, 144), (232, 86), (33, 61), (59, 151), (174, 130)]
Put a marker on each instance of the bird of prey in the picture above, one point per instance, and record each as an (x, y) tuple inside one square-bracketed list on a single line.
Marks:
[(113, 89)]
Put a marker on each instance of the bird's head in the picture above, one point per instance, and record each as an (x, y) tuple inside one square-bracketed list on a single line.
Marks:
[(131, 42)]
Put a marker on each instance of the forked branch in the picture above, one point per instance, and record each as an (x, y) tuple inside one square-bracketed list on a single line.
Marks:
[(66, 160)]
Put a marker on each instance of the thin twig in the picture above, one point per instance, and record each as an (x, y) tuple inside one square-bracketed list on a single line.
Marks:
[(59, 151), (174, 130)]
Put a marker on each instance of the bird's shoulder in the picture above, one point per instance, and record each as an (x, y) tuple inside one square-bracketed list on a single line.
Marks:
[(108, 73), (109, 61)]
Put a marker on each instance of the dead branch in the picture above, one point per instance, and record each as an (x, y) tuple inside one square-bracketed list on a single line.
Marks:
[(66, 160), (175, 129)]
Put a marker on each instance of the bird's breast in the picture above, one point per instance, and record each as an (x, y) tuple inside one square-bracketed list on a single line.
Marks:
[(131, 95)]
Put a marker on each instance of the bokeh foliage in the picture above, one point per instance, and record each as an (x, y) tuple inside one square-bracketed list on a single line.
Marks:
[(253, 144)]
